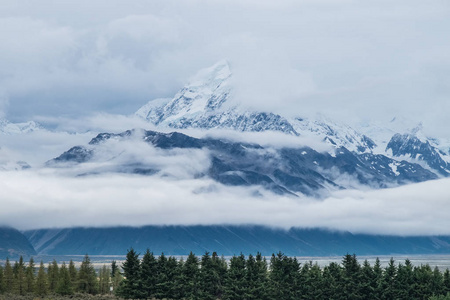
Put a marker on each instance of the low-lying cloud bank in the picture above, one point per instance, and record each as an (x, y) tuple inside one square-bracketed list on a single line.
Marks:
[(41, 199)]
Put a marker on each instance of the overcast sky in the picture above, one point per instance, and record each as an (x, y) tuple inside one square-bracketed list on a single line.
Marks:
[(351, 59)]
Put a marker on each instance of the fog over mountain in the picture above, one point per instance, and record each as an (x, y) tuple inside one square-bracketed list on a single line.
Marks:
[(357, 91), (49, 200)]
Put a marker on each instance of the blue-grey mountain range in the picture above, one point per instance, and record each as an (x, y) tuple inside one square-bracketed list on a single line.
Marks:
[(227, 240)]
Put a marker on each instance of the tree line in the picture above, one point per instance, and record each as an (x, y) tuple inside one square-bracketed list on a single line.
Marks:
[(23, 278), (211, 277)]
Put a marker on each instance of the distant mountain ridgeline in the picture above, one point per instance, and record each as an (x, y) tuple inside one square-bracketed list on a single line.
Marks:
[(300, 170), (227, 240), (13, 243)]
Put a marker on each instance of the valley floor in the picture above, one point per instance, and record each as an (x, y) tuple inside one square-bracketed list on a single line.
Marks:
[(442, 261)]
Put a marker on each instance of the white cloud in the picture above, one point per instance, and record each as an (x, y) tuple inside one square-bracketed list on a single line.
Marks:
[(3, 102), (35, 148), (39, 199), (127, 154), (97, 123)]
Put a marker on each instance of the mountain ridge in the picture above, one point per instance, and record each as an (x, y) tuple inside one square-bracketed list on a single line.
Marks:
[(14, 244), (285, 170), (227, 240)]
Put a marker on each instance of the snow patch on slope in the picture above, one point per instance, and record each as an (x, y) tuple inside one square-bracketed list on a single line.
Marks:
[(334, 133)]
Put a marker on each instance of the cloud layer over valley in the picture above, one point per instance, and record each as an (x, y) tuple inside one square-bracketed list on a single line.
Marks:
[(42, 199)]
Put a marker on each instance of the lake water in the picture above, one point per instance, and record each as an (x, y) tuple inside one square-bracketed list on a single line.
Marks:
[(441, 261)]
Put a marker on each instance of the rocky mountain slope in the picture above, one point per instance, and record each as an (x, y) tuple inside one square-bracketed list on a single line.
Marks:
[(205, 103), (294, 171)]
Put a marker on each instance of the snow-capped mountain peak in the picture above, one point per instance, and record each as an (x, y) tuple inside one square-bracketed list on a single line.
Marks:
[(205, 103), (7, 127), (206, 92), (211, 76), (208, 102)]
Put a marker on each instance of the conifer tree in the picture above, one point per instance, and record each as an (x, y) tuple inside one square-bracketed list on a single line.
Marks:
[(351, 277), (208, 278), (332, 277), (41, 286), (174, 277), (389, 283), (236, 285), (9, 276), (87, 277), (114, 267), (220, 267), (116, 279), (405, 280), (256, 277), (162, 283), (19, 271), (2, 281), (149, 274), (73, 274), (284, 273), (437, 282), (422, 282), (276, 276), (30, 277), (173, 269), (104, 280), (190, 277), (446, 282), (368, 281), (260, 290), (52, 276), (305, 284), (130, 287), (377, 283), (64, 286), (314, 281)]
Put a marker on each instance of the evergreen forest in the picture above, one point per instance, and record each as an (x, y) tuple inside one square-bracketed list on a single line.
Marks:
[(211, 277)]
